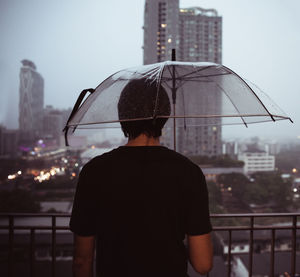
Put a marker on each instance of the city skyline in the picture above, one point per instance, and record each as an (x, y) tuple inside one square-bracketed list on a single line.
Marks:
[(74, 52)]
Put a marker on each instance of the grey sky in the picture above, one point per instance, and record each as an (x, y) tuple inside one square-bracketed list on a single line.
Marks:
[(76, 44)]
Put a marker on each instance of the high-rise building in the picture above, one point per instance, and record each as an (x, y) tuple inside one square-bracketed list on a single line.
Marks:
[(31, 102), (200, 35), (8, 142), (196, 34), (160, 29), (52, 124)]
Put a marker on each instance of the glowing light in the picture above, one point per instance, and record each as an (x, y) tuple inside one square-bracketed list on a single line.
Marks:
[(11, 177), (19, 172), (76, 164), (93, 146), (73, 174), (163, 25), (229, 189), (295, 190), (294, 170), (169, 40)]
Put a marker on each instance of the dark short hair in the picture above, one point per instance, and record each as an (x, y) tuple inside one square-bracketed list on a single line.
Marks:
[(140, 99)]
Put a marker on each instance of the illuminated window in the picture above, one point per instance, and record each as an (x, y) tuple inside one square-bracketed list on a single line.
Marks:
[(169, 40), (163, 25)]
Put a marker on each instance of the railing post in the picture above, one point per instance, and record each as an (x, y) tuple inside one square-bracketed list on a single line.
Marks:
[(272, 253), (229, 255), (32, 252), (53, 244), (251, 246), (11, 246), (293, 254)]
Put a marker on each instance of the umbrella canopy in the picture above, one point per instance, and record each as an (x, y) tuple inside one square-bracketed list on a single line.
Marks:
[(200, 94)]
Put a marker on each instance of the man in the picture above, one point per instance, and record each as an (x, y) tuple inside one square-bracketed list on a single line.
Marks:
[(139, 201)]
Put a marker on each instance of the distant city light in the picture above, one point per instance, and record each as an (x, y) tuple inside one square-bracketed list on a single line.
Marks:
[(295, 190), (169, 40), (19, 172), (11, 177), (46, 175), (76, 164), (163, 25), (229, 189), (294, 170)]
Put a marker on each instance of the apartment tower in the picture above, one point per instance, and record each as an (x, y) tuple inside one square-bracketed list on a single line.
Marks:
[(31, 102), (160, 29), (196, 34)]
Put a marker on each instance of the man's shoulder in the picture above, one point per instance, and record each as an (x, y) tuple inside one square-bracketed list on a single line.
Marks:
[(181, 160), (100, 160)]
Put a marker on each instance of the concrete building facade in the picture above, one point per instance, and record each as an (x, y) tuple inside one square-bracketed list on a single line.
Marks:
[(160, 29), (196, 34), (200, 35), (31, 102), (257, 161)]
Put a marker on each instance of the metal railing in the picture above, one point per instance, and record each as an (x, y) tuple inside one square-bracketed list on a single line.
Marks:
[(251, 227), (8, 223)]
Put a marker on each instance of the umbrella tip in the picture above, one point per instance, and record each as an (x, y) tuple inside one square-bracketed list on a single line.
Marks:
[(173, 54)]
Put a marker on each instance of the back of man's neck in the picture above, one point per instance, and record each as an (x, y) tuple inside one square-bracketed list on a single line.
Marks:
[(143, 140)]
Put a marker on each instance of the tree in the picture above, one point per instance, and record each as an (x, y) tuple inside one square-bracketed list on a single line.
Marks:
[(218, 161), (215, 197), (236, 181), (269, 187)]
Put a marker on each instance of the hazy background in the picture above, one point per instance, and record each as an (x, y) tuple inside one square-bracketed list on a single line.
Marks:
[(76, 44)]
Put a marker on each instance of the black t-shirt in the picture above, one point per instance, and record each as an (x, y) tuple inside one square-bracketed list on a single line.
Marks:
[(140, 202)]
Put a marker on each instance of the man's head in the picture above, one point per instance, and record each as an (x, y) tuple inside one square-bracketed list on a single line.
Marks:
[(142, 98)]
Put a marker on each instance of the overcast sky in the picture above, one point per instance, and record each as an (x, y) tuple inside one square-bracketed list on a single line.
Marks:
[(76, 44)]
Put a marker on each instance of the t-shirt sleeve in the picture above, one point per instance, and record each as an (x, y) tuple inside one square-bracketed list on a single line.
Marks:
[(197, 220), (83, 219)]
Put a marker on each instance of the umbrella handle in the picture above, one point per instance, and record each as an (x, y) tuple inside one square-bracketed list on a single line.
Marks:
[(75, 109)]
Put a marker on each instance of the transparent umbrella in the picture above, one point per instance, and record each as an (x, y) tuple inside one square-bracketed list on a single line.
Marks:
[(200, 94)]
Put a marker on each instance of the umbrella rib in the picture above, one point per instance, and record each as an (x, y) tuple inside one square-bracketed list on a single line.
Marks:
[(198, 70), (81, 127), (179, 116), (252, 91), (195, 78), (206, 76), (232, 103), (162, 68)]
